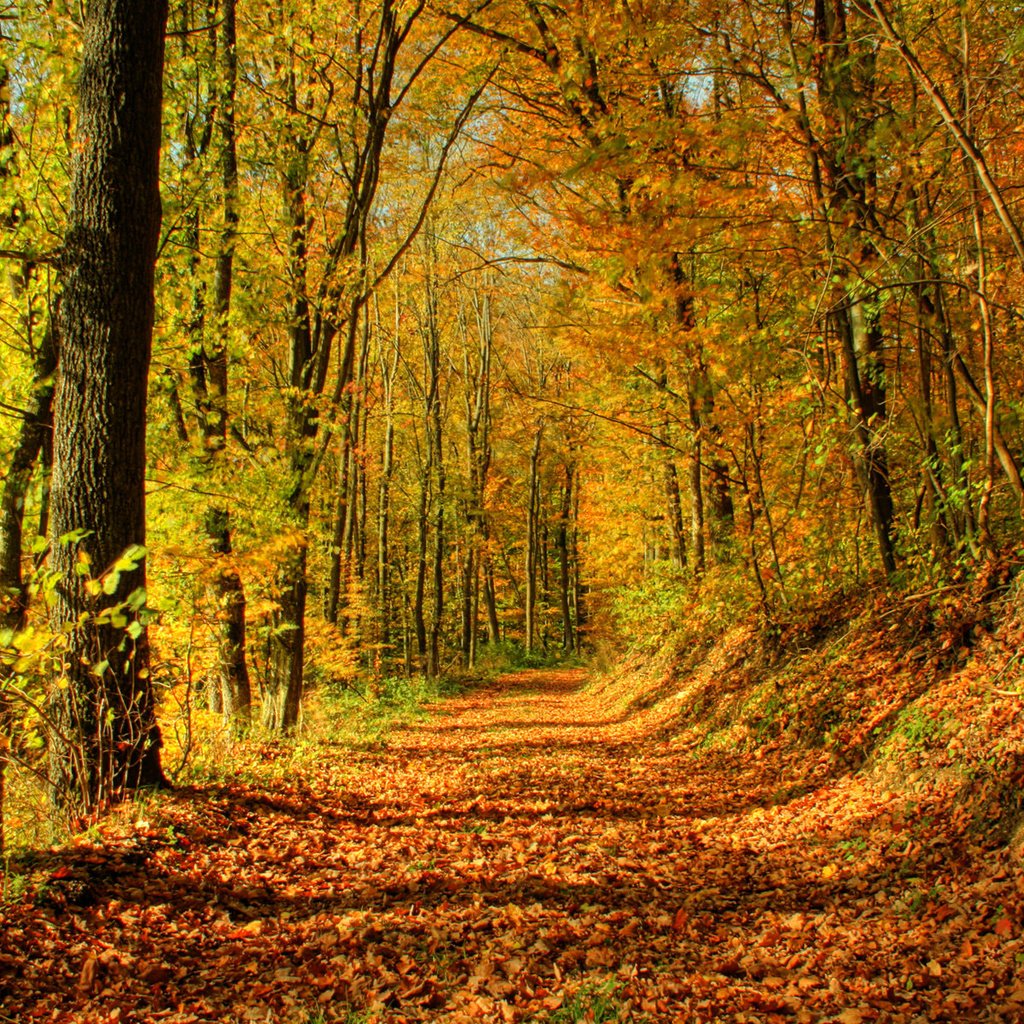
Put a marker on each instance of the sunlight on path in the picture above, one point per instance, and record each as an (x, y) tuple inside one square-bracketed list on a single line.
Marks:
[(522, 855)]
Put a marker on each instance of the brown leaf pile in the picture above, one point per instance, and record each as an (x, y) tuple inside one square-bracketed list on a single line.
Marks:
[(524, 856)]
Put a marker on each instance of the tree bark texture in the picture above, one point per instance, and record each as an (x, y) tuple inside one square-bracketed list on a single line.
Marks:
[(106, 741)]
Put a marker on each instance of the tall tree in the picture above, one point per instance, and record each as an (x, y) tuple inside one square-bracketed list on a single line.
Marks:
[(107, 741)]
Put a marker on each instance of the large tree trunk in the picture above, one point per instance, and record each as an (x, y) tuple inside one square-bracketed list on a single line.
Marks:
[(106, 740)]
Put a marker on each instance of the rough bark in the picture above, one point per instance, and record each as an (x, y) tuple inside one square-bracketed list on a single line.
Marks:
[(104, 703)]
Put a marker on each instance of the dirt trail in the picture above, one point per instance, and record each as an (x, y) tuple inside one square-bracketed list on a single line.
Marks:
[(522, 856)]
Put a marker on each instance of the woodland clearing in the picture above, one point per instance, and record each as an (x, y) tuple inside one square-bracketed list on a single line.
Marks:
[(528, 852)]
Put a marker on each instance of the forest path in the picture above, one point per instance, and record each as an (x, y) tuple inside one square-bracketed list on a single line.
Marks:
[(521, 855)]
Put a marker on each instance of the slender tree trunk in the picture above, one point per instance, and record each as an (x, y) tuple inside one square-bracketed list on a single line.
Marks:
[(341, 517), (973, 173), (533, 540), (845, 82), (674, 503), (935, 321), (33, 435), (578, 590), (354, 535), (867, 398), (927, 299), (437, 618), (419, 617), (477, 399), (435, 437), (283, 693), (564, 563), (490, 595), (697, 497), (470, 600), (318, 318), (283, 700), (384, 598), (106, 740), (228, 591), (383, 535), (31, 443)]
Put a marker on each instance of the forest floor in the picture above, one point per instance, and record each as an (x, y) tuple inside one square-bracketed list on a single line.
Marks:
[(525, 854)]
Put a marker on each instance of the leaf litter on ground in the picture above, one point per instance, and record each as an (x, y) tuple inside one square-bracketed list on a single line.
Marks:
[(526, 854)]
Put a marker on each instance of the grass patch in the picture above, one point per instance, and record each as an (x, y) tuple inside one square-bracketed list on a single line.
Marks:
[(359, 714), (915, 731), (495, 659), (595, 1004), (363, 712)]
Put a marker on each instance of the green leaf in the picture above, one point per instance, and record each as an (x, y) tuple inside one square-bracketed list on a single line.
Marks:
[(74, 536), (130, 559)]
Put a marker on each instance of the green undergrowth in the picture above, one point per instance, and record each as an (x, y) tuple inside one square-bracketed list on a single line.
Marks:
[(594, 1004), (359, 714), (506, 656), (364, 712), (922, 690)]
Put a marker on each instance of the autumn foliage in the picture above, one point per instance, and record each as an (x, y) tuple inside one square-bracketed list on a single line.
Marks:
[(677, 335)]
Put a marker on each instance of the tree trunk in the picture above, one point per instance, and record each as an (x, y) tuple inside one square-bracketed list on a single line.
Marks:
[(234, 686), (389, 367), (845, 74), (32, 440), (33, 434), (283, 699), (490, 597), (697, 497), (228, 591), (384, 534), (564, 565), (674, 503), (283, 692), (436, 440), (533, 540), (419, 619), (106, 740), (341, 515)]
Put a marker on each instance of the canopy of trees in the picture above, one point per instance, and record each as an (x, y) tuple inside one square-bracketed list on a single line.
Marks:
[(498, 322)]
